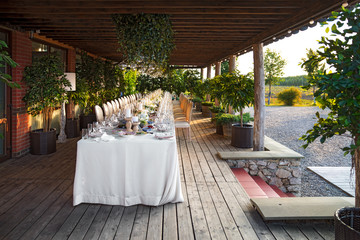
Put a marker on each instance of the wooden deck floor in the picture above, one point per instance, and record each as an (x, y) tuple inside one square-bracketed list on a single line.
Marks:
[(36, 201)]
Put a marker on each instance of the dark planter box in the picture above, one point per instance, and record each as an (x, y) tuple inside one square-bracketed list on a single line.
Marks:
[(242, 137), (84, 120), (42, 143), (198, 106), (72, 128), (205, 111), (219, 129), (347, 224)]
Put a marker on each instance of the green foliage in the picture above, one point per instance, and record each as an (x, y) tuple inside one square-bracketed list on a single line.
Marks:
[(222, 119), (217, 109), (197, 100), (5, 59), (130, 81), (294, 81), (274, 66), (339, 91), (45, 81), (290, 96), (210, 104), (145, 39)]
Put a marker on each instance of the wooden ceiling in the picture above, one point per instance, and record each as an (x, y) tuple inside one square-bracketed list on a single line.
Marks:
[(206, 31)]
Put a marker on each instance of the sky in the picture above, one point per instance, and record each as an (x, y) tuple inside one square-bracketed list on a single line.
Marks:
[(292, 49)]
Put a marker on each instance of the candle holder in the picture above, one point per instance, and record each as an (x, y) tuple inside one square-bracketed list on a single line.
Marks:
[(136, 126), (128, 124)]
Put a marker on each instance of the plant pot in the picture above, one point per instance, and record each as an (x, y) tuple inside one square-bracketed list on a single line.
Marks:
[(205, 111), (219, 129), (85, 119), (227, 130), (347, 223), (213, 115), (198, 106), (42, 143), (242, 137), (72, 128)]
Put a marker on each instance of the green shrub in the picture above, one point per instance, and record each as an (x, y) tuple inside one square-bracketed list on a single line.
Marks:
[(197, 99), (210, 104), (290, 96), (222, 119), (217, 109)]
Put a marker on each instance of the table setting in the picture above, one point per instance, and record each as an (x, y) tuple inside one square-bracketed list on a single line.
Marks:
[(130, 159)]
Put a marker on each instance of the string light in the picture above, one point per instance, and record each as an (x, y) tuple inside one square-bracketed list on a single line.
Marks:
[(312, 21), (345, 4)]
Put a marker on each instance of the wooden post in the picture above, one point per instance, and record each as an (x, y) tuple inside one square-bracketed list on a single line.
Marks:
[(259, 105), (232, 60), (208, 76), (202, 74), (217, 72)]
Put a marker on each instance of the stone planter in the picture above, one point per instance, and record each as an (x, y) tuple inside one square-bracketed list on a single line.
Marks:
[(205, 111), (242, 137), (347, 223), (42, 143), (72, 128)]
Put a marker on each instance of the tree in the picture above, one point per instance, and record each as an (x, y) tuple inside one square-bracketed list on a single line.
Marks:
[(340, 91), (5, 59), (273, 67), (312, 67)]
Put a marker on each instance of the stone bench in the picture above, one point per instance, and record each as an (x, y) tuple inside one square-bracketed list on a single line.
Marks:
[(277, 165)]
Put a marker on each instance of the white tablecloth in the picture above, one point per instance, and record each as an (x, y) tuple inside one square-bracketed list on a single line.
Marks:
[(127, 171)]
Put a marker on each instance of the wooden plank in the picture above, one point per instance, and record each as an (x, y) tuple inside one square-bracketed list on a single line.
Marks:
[(126, 223), (262, 231), (197, 213), (141, 222), (294, 231), (97, 225), (215, 226), (111, 225), (225, 216), (82, 226), (170, 223), (26, 205), (279, 232), (188, 172), (325, 230), (24, 225), (56, 223), (310, 232), (155, 227), (239, 216), (50, 213), (185, 227)]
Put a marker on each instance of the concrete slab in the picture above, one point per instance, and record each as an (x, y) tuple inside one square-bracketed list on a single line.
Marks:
[(274, 149), (300, 208)]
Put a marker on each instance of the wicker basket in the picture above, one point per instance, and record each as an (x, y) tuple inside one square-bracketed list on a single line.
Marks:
[(347, 224)]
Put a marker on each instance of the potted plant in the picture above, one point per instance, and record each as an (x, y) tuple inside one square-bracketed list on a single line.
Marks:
[(339, 91), (45, 81), (238, 92), (225, 121), (72, 127), (216, 110), (205, 108), (197, 101)]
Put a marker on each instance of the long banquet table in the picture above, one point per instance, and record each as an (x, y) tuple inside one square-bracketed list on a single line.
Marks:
[(127, 171)]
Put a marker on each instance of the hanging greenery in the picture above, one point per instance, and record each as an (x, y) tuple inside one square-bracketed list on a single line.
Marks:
[(146, 40)]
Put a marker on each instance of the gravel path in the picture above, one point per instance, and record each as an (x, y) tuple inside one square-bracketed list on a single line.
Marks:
[(286, 125)]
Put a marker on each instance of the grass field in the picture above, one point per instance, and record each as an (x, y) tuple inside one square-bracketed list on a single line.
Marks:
[(306, 98)]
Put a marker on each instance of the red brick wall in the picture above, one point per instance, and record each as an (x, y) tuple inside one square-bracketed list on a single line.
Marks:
[(21, 53)]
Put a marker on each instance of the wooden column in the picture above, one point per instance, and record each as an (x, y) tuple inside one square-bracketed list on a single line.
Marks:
[(208, 76), (259, 105), (232, 65), (202, 74), (217, 68)]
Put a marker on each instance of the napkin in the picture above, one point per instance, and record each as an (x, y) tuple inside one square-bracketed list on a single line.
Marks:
[(106, 137)]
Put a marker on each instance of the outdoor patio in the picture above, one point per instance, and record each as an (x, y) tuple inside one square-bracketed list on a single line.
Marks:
[(36, 201)]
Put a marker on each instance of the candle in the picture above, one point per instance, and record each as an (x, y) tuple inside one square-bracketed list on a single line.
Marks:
[(140, 106), (127, 112), (135, 119)]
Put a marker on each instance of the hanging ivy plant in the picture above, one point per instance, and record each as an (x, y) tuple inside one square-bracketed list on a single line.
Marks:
[(145, 40)]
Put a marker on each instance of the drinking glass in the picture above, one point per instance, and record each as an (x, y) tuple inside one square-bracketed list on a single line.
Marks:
[(84, 133), (90, 128)]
